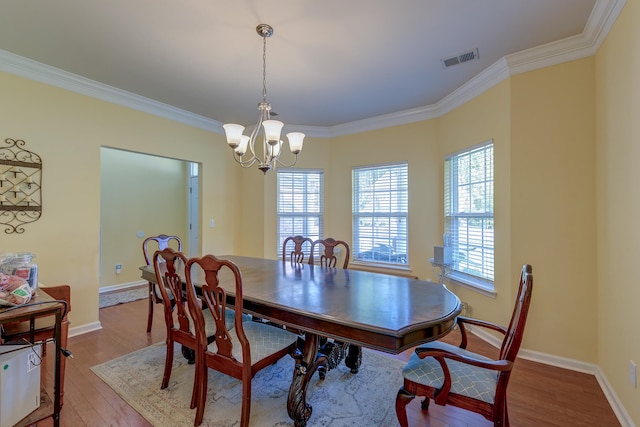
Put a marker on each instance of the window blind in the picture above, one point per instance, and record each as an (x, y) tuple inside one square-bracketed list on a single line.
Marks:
[(300, 205), (380, 210)]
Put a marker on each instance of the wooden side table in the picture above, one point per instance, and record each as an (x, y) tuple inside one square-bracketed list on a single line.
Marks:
[(41, 307)]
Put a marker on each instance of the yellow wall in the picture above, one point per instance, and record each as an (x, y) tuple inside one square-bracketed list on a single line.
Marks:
[(618, 203), (487, 117), (415, 143), (67, 131), (160, 184), (553, 204)]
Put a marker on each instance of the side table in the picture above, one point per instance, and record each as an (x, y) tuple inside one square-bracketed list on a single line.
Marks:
[(443, 270), (41, 306)]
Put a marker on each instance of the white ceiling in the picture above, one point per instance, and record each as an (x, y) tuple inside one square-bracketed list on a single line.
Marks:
[(328, 63)]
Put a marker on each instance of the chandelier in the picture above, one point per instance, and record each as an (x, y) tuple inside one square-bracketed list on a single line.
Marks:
[(268, 155)]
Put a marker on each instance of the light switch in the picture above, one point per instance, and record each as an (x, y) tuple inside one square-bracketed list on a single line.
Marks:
[(212, 223)]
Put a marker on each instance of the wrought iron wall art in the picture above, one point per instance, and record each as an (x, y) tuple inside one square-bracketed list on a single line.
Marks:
[(20, 186)]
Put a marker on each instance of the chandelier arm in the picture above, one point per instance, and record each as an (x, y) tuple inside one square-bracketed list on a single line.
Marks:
[(252, 137), (245, 163), (286, 165)]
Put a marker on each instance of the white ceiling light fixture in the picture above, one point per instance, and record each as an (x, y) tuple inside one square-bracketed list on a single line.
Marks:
[(269, 154)]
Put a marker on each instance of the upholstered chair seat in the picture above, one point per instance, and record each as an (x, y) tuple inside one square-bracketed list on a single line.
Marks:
[(264, 340), (467, 380)]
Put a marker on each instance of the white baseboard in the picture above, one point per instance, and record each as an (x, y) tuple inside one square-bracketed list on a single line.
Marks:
[(83, 329), (95, 326), (571, 364), (121, 286)]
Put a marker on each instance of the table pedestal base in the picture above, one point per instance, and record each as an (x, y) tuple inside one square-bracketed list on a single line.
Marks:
[(306, 364), (316, 358)]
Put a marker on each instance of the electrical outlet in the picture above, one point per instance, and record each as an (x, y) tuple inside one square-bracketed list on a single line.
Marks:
[(118, 268), (632, 374)]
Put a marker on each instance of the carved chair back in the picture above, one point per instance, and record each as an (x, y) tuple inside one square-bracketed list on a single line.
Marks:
[(297, 255), (328, 257)]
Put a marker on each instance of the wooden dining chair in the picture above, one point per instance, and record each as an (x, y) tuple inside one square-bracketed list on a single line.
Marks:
[(149, 246), (328, 257), (178, 319), (297, 255), (455, 376), (239, 352)]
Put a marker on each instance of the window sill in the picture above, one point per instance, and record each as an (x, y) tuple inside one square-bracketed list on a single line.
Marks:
[(394, 269), (469, 283)]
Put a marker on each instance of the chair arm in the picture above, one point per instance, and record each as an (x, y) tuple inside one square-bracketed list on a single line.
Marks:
[(440, 355), (483, 323), (461, 320)]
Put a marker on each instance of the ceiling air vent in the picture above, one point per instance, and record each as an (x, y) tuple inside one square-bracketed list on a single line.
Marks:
[(459, 59)]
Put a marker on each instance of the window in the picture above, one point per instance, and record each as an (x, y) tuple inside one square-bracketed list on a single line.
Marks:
[(300, 204), (468, 214), (380, 210)]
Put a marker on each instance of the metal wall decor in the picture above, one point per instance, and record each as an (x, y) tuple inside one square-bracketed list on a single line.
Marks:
[(20, 186)]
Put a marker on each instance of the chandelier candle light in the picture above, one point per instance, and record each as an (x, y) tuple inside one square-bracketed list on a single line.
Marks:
[(271, 142)]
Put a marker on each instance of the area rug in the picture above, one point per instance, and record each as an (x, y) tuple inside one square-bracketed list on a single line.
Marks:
[(342, 399), (113, 298)]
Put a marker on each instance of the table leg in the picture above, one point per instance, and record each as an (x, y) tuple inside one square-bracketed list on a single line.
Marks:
[(297, 407), (333, 352), (189, 354), (354, 358)]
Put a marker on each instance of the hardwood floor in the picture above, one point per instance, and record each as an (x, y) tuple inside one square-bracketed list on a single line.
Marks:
[(539, 395)]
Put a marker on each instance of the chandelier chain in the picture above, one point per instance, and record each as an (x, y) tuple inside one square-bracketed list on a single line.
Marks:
[(264, 69)]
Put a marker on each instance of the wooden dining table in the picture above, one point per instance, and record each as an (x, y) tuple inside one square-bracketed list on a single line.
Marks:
[(379, 311)]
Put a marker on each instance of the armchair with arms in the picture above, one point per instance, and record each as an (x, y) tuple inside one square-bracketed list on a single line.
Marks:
[(455, 376)]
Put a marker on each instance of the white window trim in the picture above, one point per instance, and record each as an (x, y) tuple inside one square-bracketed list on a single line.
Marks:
[(382, 264), (471, 282), (477, 283)]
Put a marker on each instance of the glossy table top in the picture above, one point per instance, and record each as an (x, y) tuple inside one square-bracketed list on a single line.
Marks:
[(385, 312)]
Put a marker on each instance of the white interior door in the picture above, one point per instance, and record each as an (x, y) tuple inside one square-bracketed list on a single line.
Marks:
[(194, 223)]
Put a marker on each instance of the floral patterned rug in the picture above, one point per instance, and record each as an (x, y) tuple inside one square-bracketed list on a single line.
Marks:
[(108, 299), (342, 399)]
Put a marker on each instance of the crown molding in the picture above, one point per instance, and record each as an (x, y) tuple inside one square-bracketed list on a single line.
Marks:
[(602, 18), (385, 121), (24, 67)]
